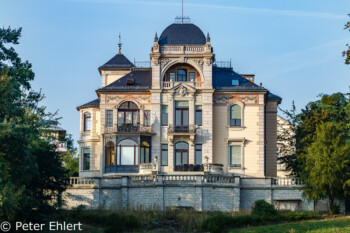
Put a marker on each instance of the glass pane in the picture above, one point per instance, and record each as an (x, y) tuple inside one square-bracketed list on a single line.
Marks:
[(185, 117), (178, 118), (181, 104), (88, 124), (147, 157), (178, 159), (127, 156), (128, 117), (235, 159), (135, 120), (164, 115), (147, 119), (113, 156), (164, 155), (108, 156), (120, 118), (199, 118), (142, 151), (87, 162), (109, 118), (182, 75), (172, 76), (192, 76), (86, 150), (184, 158), (235, 112), (181, 146), (198, 157)]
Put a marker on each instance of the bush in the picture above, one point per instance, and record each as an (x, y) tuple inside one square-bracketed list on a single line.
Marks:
[(335, 209), (263, 208), (120, 223)]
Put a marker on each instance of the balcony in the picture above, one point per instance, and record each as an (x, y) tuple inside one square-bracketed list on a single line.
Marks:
[(183, 130), (128, 129), (189, 168), (171, 84)]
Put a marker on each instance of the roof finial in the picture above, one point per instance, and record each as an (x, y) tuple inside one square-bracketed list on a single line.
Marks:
[(120, 44), (156, 38), (208, 37)]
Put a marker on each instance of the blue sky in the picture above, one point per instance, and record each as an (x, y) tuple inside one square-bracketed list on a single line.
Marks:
[(293, 47)]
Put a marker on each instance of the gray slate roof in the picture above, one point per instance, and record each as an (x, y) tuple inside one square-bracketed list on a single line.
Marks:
[(142, 81), (94, 103), (182, 34), (222, 80), (118, 61)]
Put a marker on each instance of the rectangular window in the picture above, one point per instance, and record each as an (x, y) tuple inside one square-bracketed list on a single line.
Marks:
[(164, 115), (109, 122), (86, 159), (192, 76), (164, 155), (198, 114), (87, 121), (198, 154), (147, 119), (172, 76), (235, 156)]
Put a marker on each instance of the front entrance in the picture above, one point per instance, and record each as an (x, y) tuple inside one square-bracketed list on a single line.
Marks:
[(181, 156)]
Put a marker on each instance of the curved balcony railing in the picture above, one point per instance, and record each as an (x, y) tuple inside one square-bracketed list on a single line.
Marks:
[(128, 129)]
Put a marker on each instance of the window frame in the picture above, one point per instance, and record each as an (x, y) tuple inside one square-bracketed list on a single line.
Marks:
[(162, 154), (109, 118), (177, 76), (111, 146), (194, 76), (195, 154), (147, 118), (230, 156), (87, 121), (201, 112), (86, 155), (163, 119), (242, 106)]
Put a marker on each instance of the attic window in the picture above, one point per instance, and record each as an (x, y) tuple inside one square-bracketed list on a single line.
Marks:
[(130, 82), (235, 82)]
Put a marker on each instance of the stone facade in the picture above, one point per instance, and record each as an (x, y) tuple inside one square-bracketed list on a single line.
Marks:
[(201, 192)]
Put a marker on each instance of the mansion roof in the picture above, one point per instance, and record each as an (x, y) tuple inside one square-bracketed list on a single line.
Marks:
[(182, 34), (119, 61)]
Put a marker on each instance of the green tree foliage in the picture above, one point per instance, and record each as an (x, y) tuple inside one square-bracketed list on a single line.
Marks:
[(70, 158), (327, 163), (346, 53), (31, 171)]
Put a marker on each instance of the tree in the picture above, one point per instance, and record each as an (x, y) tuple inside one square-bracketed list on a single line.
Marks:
[(326, 172), (31, 171), (346, 53), (70, 158), (329, 108)]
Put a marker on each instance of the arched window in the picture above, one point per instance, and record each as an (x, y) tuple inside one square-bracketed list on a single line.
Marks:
[(182, 75), (145, 156), (235, 115), (181, 154), (110, 154), (127, 153), (87, 121), (128, 114)]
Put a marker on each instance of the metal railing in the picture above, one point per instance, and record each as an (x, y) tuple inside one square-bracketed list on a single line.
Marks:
[(181, 129), (128, 129)]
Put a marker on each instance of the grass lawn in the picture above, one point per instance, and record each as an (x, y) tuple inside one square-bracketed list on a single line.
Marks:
[(341, 225)]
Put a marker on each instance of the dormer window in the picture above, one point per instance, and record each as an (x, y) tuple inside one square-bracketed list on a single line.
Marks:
[(130, 82), (182, 75)]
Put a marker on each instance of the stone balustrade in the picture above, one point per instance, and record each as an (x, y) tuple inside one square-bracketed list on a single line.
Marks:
[(171, 84), (182, 49), (146, 168), (286, 181), (78, 181)]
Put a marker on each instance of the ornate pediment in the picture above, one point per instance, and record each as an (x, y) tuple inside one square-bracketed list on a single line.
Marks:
[(183, 90)]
